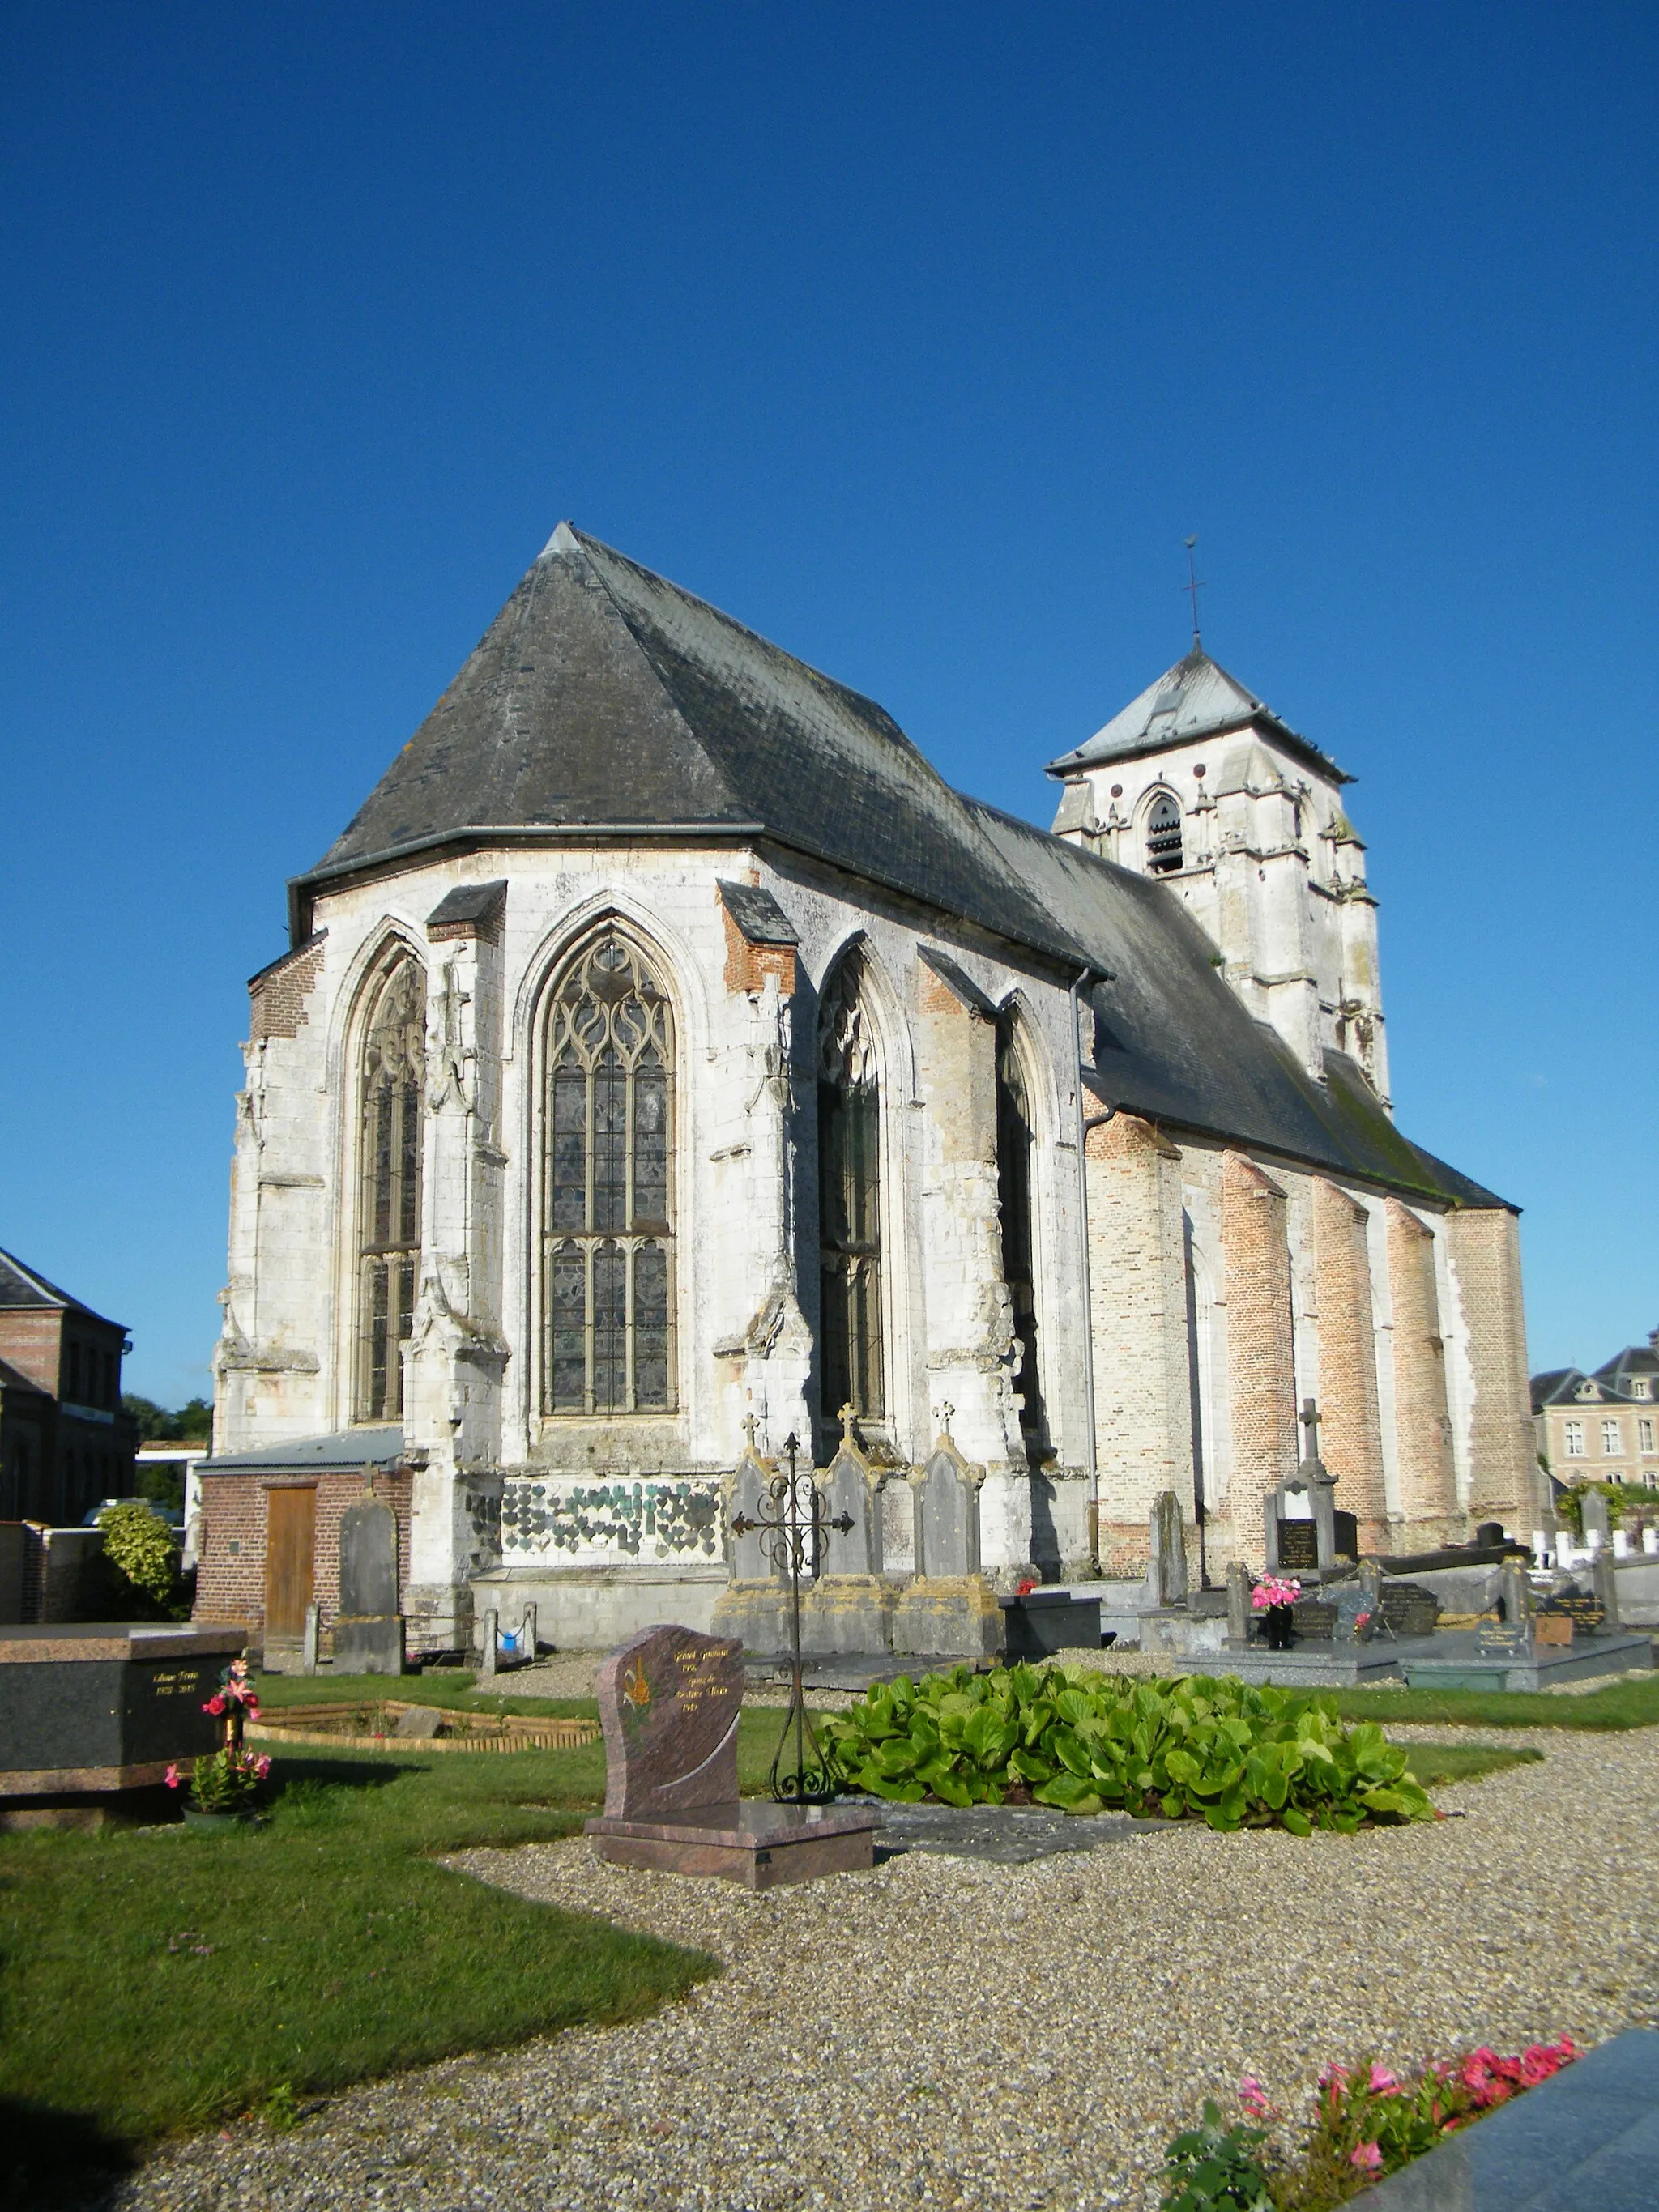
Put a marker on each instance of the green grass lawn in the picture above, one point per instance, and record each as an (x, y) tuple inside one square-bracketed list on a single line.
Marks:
[(1435, 1764), (160, 1980), (1621, 1705)]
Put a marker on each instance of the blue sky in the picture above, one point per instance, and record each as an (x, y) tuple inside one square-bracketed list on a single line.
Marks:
[(919, 339)]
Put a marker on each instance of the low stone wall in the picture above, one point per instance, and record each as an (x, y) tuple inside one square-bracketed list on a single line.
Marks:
[(592, 1609)]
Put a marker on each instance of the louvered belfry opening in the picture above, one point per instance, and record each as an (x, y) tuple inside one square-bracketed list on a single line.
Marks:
[(608, 1242), (1016, 1149), (1164, 836), (851, 1368), (389, 1235)]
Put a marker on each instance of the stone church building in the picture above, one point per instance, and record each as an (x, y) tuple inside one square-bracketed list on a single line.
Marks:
[(666, 1056)]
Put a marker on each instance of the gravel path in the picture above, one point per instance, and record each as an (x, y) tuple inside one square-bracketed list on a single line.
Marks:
[(945, 2034)]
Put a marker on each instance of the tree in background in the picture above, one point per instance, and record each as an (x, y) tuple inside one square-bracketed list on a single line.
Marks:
[(191, 1424)]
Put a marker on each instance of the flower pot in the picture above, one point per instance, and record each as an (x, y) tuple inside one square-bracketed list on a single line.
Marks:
[(213, 1824), (1279, 1620)]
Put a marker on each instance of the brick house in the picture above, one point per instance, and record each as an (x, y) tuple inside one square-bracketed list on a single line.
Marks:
[(65, 1441)]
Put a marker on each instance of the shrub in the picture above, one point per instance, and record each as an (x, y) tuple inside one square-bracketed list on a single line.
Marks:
[(1216, 2169), (1219, 1750), (139, 1547)]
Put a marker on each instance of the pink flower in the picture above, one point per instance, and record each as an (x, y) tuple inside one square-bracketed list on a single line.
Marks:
[(1253, 2098), (262, 1767), (1333, 2076), (216, 1704), (1369, 2157), (1382, 2080), (173, 1778)]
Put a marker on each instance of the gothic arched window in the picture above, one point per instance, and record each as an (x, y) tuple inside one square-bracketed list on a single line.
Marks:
[(389, 1209), (1164, 836), (849, 1199), (608, 1234), (1016, 1144)]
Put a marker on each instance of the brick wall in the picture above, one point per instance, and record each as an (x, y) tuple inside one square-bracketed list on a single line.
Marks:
[(748, 966), (230, 1584), (1485, 1254), (1428, 1490), (1350, 1432), (1138, 1287), (278, 993), (30, 1342), (1260, 1367)]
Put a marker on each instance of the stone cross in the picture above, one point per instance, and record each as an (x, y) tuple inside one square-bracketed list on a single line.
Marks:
[(669, 1701), (946, 1414), (1309, 1418), (846, 1417), (749, 1426)]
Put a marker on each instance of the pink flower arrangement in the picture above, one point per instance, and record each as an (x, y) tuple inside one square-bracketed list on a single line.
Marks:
[(1370, 2121), (1275, 1589)]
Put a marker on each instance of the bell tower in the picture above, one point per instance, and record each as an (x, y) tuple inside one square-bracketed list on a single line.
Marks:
[(1199, 783)]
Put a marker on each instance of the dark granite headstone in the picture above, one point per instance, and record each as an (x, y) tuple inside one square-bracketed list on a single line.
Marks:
[(669, 1700), (1346, 1533), (1313, 1621), (1581, 1606), (90, 1707), (1489, 1532), (1408, 1609), (1298, 1547)]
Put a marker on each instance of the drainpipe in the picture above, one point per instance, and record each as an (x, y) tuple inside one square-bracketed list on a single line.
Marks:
[(1091, 1465)]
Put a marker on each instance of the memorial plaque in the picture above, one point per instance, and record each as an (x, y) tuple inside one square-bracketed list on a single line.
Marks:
[(1552, 1631), (669, 1701), (1298, 1547), (1582, 1607), (1408, 1609), (1504, 1638)]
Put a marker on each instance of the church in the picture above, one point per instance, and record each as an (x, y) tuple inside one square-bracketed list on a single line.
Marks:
[(668, 1061)]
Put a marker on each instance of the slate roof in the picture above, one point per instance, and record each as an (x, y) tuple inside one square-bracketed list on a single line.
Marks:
[(21, 1286), (344, 1449), (604, 698), (1559, 1386), (1195, 699)]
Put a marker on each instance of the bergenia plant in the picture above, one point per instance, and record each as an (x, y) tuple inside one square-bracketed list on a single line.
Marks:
[(1275, 1589)]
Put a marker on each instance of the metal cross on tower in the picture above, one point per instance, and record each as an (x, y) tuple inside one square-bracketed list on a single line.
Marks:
[(1193, 585), (795, 1529)]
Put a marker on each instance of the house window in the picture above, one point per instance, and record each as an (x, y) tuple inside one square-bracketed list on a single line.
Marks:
[(1612, 1443), (849, 1199), (1641, 1387), (1645, 1436), (1164, 836), (389, 1210), (608, 1239), (1575, 1439)]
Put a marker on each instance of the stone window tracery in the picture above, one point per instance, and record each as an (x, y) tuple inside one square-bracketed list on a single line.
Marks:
[(608, 1234), (389, 1214), (1016, 1151), (849, 1199), (1164, 834)]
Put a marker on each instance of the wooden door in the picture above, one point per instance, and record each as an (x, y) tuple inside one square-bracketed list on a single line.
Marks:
[(290, 1543)]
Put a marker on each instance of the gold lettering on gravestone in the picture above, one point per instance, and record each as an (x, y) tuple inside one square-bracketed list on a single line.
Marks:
[(1298, 1544)]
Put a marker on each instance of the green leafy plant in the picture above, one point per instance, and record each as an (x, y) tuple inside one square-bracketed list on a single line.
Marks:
[(223, 1781), (1210, 2168), (1228, 1752)]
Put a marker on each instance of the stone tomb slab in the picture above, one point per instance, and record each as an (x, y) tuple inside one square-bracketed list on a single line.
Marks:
[(95, 1706), (1004, 1835), (669, 1703)]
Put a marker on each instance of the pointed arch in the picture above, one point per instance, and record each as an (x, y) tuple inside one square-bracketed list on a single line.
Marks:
[(1163, 832), (1017, 1193), (852, 1332), (607, 1065), (390, 1082)]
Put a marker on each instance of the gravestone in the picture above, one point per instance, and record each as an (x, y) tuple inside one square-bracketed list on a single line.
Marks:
[(89, 1707), (1166, 1570), (668, 1702), (1574, 1603), (1300, 1523), (1515, 1602), (1408, 1609), (850, 1606), (419, 1722), (1238, 1604), (1490, 1532), (1595, 1507), (1356, 1609), (1345, 1528), (490, 1637), (369, 1631), (669, 1706), (1314, 1620), (1604, 1580), (950, 1610), (754, 1607)]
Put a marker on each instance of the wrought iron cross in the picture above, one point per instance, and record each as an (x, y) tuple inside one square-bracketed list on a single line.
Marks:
[(1193, 585), (793, 1532)]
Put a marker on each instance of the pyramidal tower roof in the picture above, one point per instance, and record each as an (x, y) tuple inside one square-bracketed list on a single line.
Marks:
[(1196, 698), (604, 699)]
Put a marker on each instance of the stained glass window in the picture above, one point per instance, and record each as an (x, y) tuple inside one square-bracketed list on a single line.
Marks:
[(1015, 1141), (389, 1246), (608, 1245)]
